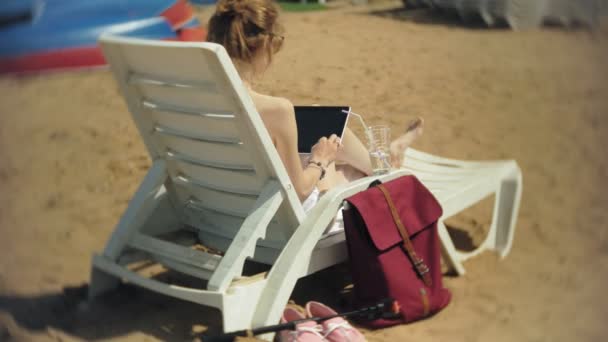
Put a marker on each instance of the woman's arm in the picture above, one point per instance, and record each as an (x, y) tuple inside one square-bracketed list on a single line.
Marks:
[(286, 141)]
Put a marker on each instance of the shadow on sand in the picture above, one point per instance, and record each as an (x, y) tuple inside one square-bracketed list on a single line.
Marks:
[(462, 239), (430, 16), (130, 309), (121, 312)]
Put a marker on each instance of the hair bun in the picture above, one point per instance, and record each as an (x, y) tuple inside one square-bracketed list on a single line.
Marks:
[(231, 8), (245, 27)]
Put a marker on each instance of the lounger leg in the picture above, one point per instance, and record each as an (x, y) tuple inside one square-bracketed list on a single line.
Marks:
[(101, 283), (450, 254), (238, 309), (141, 206), (232, 321), (279, 286), (291, 265), (506, 208)]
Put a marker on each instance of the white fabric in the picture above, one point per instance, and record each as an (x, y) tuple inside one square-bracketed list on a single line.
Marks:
[(337, 225), (311, 200)]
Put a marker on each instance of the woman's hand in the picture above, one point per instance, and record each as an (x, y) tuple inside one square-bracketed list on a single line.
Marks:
[(325, 150)]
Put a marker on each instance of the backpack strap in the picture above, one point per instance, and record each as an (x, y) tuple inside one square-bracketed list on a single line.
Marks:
[(421, 268)]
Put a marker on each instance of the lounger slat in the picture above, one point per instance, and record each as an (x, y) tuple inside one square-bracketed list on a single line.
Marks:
[(230, 155), (229, 190), (222, 227), (223, 202), (218, 224), (238, 182), (184, 268), (195, 135), (170, 250), (202, 198), (203, 125), (174, 109), (241, 168), (211, 220), (193, 295), (152, 80), (170, 64), (183, 96)]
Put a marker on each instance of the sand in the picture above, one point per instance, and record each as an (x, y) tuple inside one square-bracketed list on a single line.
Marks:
[(70, 159)]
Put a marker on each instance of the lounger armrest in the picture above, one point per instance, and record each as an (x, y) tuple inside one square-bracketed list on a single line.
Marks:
[(335, 196), (311, 229)]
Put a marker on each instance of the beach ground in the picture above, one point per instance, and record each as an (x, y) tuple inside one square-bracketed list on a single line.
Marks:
[(71, 158)]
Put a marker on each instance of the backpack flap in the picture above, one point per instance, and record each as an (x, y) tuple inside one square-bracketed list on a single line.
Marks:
[(416, 206)]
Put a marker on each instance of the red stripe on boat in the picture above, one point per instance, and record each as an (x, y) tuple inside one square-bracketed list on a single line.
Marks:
[(178, 14), (192, 34), (70, 58), (87, 56)]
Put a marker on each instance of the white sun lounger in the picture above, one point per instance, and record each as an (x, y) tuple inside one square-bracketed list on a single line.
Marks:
[(215, 173), (457, 185)]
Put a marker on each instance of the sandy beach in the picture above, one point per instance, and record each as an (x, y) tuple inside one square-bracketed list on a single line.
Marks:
[(71, 158)]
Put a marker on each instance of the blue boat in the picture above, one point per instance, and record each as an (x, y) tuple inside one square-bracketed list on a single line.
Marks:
[(38, 35)]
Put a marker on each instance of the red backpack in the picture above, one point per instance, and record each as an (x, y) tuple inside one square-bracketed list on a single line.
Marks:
[(394, 249)]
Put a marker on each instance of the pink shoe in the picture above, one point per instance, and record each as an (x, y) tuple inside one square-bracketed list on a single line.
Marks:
[(308, 331), (334, 329)]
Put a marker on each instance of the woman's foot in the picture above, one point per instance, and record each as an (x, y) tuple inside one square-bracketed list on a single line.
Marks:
[(399, 145)]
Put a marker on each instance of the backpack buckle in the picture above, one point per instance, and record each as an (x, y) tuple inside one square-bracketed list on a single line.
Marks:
[(421, 267)]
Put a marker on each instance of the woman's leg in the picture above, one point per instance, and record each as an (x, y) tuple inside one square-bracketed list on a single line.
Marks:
[(354, 153), (399, 145), (353, 161)]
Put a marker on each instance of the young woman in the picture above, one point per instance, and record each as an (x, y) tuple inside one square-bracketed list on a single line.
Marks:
[(251, 34)]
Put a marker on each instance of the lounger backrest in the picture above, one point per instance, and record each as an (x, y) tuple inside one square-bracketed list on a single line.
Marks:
[(192, 109)]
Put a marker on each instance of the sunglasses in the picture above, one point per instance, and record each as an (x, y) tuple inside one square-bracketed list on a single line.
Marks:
[(278, 42)]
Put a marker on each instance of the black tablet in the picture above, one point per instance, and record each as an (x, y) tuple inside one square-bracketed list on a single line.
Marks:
[(315, 122)]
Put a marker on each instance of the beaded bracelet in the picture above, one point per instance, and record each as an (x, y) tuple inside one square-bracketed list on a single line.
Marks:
[(319, 165)]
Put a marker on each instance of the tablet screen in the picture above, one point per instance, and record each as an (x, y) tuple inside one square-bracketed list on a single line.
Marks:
[(315, 122)]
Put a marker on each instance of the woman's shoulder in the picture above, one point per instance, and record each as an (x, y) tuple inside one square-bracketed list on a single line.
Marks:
[(273, 105), (277, 113)]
